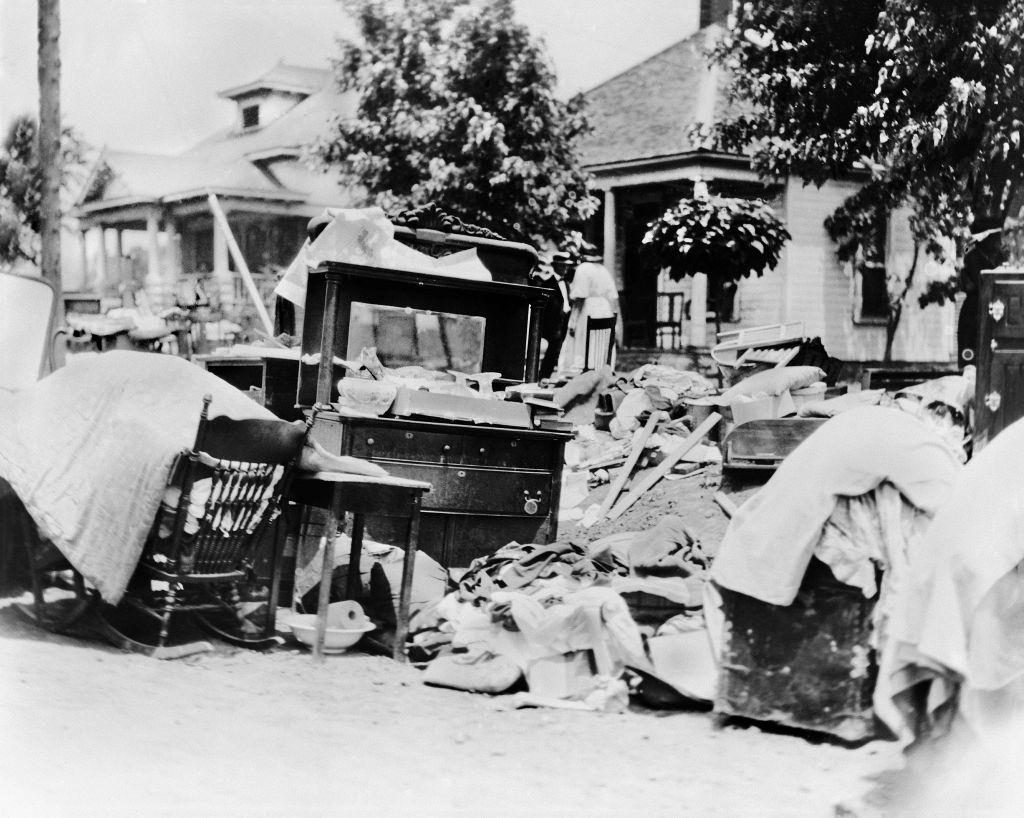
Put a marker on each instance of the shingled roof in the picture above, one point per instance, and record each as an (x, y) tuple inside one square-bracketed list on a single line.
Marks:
[(646, 111), (261, 163)]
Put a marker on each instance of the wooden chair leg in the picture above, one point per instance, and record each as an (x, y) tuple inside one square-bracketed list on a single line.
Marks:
[(405, 593), (278, 532), (170, 600)]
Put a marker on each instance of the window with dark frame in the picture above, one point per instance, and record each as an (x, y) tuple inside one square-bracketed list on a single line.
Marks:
[(874, 296), (250, 116)]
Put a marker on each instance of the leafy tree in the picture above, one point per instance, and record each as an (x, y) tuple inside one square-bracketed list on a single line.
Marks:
[(923, 98), (725, 238), (21, 188), (457, 107)]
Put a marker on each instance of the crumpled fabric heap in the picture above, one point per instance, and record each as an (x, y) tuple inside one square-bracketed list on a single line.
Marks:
[(674, 383), (528, 602)]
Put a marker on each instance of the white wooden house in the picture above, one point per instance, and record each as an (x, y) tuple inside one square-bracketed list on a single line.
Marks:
[(643, 161)]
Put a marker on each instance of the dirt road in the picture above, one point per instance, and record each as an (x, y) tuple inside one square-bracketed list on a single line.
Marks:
[(87, 730)]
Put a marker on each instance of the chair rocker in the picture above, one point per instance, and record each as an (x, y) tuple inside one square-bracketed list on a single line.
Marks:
[(223, 496)]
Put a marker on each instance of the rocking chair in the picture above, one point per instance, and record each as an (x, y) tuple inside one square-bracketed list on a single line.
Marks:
[(222, 497)]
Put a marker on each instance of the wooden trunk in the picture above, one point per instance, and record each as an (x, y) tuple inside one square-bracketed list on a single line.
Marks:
[(807, 665)]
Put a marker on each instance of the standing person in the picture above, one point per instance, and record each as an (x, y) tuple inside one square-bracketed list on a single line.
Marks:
[(592, 294), (555, 318)]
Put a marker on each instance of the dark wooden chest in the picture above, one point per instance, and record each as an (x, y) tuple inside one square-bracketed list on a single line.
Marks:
[(491, 485), (808, 665)]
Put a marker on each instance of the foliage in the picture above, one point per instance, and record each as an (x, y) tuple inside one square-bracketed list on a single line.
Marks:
[(21, 186), (725, 237), (924, 98), (456, 106)]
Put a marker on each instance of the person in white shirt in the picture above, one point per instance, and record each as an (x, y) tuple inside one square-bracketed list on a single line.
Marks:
[(592, 294)]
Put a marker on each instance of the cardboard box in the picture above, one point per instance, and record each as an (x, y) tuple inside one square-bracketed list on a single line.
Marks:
[(561, 677)]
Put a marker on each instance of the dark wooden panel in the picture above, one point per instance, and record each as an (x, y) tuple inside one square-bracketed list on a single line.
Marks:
[(999, 396), (809, 664), (501, 449), (766, 443), (477, 490)]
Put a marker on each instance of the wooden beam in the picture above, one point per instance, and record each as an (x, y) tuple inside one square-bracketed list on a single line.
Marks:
[(726, 503), (665, 466), (236, 253), (639, 440)]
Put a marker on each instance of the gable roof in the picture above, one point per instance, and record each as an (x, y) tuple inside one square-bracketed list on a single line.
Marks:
[(294, 79), (646, 111)]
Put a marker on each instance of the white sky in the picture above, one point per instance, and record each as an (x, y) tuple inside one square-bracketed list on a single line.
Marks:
[(143, 74)]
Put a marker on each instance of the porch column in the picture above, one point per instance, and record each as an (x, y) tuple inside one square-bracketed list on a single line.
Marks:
[(119, 245), (698, 310), (221, 271), (172, 270), (154, 288), (83, 260), (103, 272), (609, 249)]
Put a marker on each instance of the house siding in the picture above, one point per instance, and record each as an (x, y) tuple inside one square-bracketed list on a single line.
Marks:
[(816, 289)]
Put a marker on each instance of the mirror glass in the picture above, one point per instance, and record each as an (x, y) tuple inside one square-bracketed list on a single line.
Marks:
[(406, 337)]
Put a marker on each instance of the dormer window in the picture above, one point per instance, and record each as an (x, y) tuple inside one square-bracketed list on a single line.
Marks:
[(251, 116)]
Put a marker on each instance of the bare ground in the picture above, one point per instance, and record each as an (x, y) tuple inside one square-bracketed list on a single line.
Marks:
[(85, 729)]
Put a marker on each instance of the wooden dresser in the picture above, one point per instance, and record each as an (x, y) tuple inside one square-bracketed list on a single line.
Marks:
[(491, 484)]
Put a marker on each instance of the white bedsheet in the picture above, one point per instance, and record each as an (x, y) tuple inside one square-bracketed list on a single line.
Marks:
[(770, 540)]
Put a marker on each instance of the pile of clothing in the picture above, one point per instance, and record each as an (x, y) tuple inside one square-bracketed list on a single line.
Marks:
[(554, 620)]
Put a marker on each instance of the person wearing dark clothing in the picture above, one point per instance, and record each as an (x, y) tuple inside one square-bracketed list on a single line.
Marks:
[(555, 317)]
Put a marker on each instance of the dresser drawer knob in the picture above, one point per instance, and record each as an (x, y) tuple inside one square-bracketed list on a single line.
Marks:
[(460, 473), (446, 448), (369, 441), (531, 506)]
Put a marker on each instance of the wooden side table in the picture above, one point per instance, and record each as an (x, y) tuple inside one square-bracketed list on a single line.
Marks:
[(360, 495)]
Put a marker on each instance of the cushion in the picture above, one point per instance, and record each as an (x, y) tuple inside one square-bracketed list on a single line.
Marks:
[(773, 382)]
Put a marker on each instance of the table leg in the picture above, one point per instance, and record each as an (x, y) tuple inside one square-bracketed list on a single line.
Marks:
[(278, 530), (405, 593), (326, 570), (354, 581)]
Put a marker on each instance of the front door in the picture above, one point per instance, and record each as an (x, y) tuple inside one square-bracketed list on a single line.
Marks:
[(999, 397)]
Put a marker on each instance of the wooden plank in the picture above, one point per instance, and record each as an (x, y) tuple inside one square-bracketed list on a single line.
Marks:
[(726, 503), (243, 268), (665, 466), (623, 475)]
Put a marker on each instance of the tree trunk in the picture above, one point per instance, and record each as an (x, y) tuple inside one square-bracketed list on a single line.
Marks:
[(892, 321), (50, 155)]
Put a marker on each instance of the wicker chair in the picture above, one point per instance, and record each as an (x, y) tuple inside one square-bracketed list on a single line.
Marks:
[(223, 495)]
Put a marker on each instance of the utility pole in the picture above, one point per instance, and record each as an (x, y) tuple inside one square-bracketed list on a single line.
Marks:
[(50, 153)]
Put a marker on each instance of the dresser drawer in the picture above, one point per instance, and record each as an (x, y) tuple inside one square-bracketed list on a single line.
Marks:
[(481, 491), (502, 450)]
